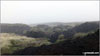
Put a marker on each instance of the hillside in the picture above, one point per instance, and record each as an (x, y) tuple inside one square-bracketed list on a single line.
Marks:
[(82, 28), (12, 42), (14, 28), (88, 43), (60, 39), (72, 31)]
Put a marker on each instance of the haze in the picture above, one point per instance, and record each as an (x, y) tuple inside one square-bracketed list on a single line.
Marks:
[(34, 12)]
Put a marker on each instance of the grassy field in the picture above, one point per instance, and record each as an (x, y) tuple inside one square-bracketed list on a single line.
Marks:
[(12, 42)]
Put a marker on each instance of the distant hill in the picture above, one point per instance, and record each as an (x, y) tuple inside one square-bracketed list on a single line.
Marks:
[(88, 43), (20, 28), (68, 29), (14, 28), (82, 28), (52, 24)]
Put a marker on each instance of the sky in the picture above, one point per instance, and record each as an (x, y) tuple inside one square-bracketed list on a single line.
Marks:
[(34, 12)]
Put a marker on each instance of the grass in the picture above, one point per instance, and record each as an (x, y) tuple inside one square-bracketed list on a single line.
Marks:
[(12, 42)]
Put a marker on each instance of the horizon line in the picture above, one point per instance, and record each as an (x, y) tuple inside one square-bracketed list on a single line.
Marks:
[(49, 22)]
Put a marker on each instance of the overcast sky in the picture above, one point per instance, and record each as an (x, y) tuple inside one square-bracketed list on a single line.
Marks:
[(33, 12)]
